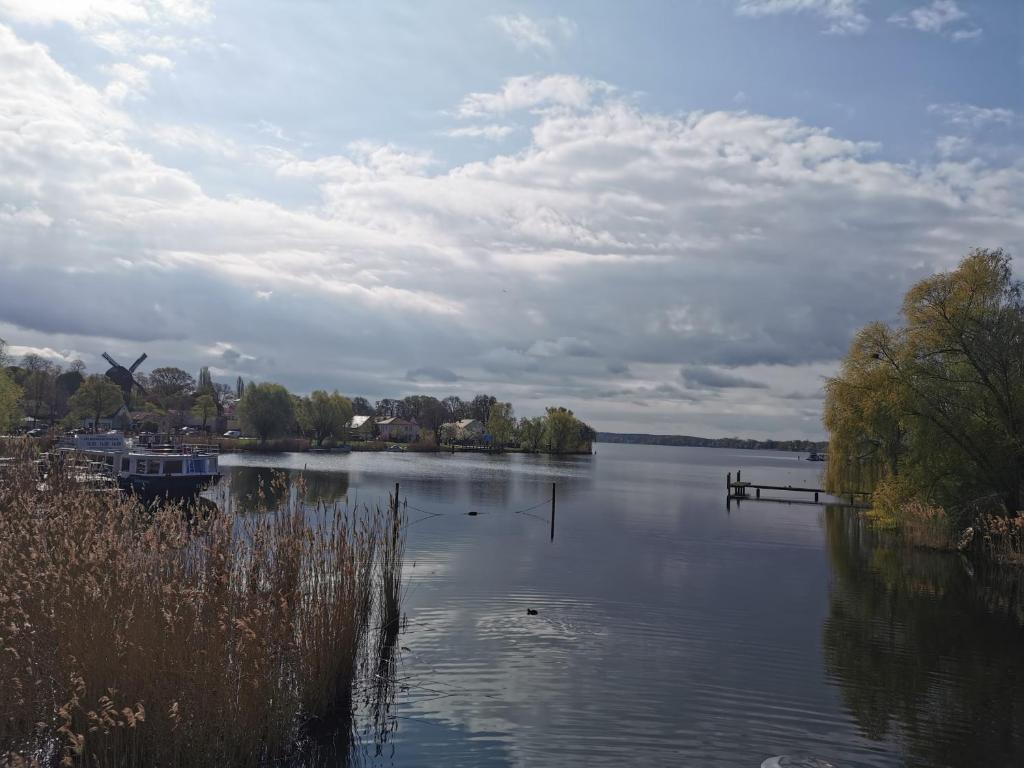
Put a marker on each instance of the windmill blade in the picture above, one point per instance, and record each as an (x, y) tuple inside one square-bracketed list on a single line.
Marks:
[(111, 360), (135, 382), (137, 363)]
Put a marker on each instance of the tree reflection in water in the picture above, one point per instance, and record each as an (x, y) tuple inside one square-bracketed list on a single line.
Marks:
[(927, 651), (262, 488)]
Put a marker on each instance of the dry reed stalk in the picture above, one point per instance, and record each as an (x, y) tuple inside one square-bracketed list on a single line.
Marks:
[(132, 637)]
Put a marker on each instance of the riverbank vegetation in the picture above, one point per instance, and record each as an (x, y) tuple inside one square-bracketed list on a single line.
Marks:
[(133, 637), (929, 415)]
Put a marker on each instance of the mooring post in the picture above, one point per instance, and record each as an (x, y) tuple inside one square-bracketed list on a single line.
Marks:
[(728, 482), (738, 472), (552, 512), (759, 493), (815, 495), (396, 499)]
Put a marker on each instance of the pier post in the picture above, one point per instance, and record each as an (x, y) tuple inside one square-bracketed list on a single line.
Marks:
[(396, 500), (815, 495), (728, 483), (553, 512), (738, 472), (759, 493)]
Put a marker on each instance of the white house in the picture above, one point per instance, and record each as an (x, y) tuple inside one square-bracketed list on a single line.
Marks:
[(397, 430)]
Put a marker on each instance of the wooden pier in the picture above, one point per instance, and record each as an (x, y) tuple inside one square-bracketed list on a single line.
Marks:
[(739, 490)]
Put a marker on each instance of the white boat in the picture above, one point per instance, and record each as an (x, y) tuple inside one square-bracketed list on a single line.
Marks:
[(159, 468)]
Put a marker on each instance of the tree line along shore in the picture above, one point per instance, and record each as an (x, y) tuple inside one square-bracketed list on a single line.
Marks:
[(38, 396)]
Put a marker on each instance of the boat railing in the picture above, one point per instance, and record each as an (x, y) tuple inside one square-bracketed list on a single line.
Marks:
[(190, 449)]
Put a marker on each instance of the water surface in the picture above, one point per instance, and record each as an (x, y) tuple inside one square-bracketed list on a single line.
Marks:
[(670, 629)]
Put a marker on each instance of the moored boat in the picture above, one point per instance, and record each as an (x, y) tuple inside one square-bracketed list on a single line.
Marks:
[(157, 468)]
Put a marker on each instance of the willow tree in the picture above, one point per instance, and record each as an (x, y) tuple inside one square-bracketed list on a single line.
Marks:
[(940, 400)]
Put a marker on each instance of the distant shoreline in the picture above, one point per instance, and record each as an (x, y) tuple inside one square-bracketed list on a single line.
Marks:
[(688, 441)]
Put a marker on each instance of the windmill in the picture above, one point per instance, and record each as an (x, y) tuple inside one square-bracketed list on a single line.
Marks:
[(124, 377)]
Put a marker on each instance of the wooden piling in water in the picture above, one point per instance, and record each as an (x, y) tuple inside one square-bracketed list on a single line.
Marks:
[(552, 512)]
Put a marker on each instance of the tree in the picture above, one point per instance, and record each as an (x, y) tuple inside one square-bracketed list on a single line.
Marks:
[(97, 397), (361, 407), (560, 430), (10, 395), (204, 408), (66, 384), (501, 425), (204, 384), (266, 410), (168, 383), (531, 433), (39, 382), (454, 408), (239, 388), (327, 415), (935, 408), (426, 411), (480, 407), (387, 407)]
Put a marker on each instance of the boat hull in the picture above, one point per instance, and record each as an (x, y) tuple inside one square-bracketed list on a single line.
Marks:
[(171, 487)]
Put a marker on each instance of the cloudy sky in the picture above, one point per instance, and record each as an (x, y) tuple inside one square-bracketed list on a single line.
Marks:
[(668, 216)]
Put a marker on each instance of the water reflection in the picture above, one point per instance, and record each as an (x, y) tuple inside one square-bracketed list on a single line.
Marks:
[(251, 488), (926, 651)]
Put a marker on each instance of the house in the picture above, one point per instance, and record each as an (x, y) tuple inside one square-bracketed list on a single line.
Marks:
[(362, 428), (397, 430), (119, 419), (463, 431)]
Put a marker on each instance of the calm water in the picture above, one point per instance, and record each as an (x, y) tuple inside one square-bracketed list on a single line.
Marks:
[(670, 629)]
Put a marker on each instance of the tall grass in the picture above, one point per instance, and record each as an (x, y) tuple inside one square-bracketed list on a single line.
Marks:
[(153, 638)]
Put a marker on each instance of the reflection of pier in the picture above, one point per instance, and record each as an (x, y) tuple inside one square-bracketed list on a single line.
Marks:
[(741, 491)]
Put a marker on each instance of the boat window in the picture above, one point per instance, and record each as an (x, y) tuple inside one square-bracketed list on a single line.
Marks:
[(140, 466), (172, 467), (125, 464)]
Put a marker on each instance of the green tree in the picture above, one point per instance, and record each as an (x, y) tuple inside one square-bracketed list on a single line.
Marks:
[(97, 397), (10, 397), (935, 407), (326, 415), (560, 430), (502, 424), (531, 433), (266, 410), (205, 407)]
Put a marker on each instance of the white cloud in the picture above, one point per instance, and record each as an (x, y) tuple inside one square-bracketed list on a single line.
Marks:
[(941, 17), (538, 34), (532, 92), (490, 131), (616, 240), (843, 16), (972, 116)]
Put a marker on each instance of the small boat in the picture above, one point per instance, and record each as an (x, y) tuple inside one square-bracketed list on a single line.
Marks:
[(396, 449), (814, 456), (156, 468), (341, 449)]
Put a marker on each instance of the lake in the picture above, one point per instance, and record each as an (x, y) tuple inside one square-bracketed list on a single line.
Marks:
[(670, 629)]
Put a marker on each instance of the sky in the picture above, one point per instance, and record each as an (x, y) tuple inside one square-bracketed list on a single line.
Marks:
[(668, 216)]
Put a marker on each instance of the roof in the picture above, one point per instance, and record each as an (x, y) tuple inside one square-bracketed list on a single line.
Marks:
[(395, 421), (358, 421), (463, 423)]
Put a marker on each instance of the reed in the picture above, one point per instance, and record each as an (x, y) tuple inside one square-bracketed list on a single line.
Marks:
[(133, 637)]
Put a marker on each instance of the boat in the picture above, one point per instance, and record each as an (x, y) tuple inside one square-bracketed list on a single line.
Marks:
[(814, 456), (151, 468), (396, 449)]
